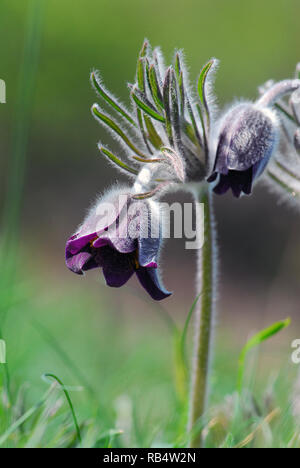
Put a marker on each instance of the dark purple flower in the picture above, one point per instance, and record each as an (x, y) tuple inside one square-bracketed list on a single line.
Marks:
[(116, 236), (246, 141)]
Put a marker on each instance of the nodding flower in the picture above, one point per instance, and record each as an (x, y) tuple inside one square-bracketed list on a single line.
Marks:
[(122, 236), (247, 138)]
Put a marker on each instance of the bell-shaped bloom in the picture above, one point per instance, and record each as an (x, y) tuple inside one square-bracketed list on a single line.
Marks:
[(122, 236), (246, 140)]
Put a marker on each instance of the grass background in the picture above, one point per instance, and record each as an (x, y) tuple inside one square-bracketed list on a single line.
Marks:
[(121, 345)]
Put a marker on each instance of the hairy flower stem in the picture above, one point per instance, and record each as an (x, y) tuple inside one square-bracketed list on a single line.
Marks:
[(204, 319)]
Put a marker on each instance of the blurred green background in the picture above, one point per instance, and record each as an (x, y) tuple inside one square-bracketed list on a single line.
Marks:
[(117, 338)]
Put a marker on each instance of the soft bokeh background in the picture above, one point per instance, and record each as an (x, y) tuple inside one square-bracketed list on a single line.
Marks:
[(117, 338)]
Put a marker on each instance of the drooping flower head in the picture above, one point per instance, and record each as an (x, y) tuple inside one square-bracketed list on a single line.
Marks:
[(122, 236), (246, 138)]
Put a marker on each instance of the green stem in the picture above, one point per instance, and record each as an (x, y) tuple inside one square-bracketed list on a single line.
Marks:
[(204, 319), (69, 403)]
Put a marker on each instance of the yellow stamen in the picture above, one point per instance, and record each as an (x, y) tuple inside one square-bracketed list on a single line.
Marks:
[(136, 260), (92, 241)]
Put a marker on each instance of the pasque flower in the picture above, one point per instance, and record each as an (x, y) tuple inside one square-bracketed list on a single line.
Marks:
[(247, 138), (172, 138), (122, 236)]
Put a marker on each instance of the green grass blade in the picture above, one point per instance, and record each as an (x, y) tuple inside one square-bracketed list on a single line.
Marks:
[(19, 422), (261, 336), (106, 96), (53, 376), (115, 128), (24, 417), (4, 367), (105, 440), (2, 351)]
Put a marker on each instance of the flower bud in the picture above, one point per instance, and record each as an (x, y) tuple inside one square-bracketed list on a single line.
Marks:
[(246, 140)]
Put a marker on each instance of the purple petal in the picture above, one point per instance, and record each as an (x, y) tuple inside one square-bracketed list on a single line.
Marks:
[(221, 163), (98, 221), (117, 235), (117, 267), (248, 137), (76, 262), (122, 245), (212, 177), (77, 243), (238, 181), (116, 278), (259, 168), (150, 281), (241, 181), (223, 185), (148, 251)]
